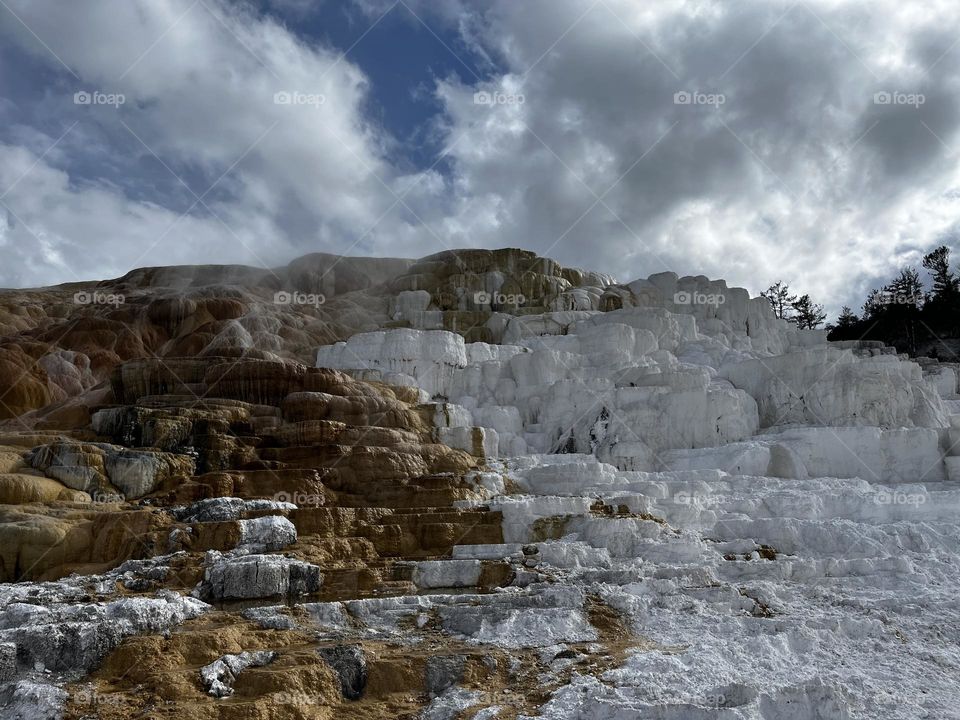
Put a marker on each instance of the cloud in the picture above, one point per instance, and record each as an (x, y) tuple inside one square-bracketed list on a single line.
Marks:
[(784, 164), (199, 108), (798, 174), (61, 232)]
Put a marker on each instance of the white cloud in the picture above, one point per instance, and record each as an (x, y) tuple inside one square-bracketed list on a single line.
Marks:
[(200, 82), (57, 232), (797, 175)]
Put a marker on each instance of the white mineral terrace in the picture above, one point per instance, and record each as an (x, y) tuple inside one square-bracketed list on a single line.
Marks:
[(774, 518), (776, 515)]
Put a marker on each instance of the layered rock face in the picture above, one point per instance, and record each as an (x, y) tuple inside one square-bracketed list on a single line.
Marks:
[(56, 343), (675, 386), (477, 485)]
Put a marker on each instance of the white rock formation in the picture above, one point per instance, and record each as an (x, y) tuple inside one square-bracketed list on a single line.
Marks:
[(690, 365), (776, 516), (221, 509), (55, 632), (430, 357), (236, 576), (220, 675)]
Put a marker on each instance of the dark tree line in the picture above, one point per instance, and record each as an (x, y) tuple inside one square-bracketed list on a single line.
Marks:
[(904, 315)]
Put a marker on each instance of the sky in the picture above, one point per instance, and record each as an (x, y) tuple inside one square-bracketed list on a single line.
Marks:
[(814, 142)]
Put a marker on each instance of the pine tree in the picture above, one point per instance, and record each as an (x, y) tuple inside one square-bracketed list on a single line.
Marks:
[(808, 313), (780, 299), (874, 305), (846, 320), (945, 286), (905, 289), (904, 297)]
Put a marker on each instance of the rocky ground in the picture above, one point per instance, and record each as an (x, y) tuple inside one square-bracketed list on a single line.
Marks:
[(478, 485)]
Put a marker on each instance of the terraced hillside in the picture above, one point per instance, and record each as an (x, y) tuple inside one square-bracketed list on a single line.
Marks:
[(476, 485)]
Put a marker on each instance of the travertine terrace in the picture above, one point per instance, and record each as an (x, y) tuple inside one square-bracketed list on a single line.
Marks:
[(476, 485)]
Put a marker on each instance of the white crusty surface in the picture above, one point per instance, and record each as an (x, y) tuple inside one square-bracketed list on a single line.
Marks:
[(784, 525)]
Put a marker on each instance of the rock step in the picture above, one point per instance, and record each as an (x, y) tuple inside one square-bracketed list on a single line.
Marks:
[(450, 573), (321, 519)]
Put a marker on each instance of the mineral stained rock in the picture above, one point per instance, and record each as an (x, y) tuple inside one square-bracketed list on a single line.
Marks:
[(218, 677), (350, 666), (258, 576), (475, 485)]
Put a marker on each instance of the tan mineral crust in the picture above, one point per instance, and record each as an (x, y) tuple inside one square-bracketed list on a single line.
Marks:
[(197, 385)]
